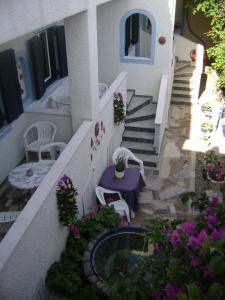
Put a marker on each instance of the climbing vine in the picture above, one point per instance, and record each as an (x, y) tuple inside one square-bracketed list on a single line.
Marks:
[(215, 11)]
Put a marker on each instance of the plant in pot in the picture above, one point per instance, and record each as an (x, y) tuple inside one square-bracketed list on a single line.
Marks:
[(120, 166), (207, 126), (207, 109)]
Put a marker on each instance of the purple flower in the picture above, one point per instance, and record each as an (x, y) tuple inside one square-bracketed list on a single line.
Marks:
[(212, 219), (215, 200), (222, 13), (194, 260), (193, 242), (74, 231), (202, 236), (175, 238), (156, 247), (206, 211), (187, 227), (205, 271), (172, 291), (222, 233), (214, 235)]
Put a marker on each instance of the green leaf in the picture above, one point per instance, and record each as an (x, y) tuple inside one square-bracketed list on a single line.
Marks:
[(217, 265), (214, 290), (194, 291)]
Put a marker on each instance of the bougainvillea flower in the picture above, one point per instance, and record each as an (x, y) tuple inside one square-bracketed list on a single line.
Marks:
[(222, 233), (187, 227), (202, 236), (175, 238), (212, 219), (214, 235), (215, 200), (172, 291), (74, 231), (194, 260), (194, 242)]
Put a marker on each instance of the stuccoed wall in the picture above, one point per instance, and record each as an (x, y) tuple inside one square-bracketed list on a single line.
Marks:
[(143, 78), (36, 239)]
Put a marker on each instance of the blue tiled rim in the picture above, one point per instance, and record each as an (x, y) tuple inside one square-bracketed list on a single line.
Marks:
[(88, 265)]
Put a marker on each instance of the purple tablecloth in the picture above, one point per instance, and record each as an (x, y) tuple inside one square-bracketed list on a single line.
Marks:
[(129, 186)]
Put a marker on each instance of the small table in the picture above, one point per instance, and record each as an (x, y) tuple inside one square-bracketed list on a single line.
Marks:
[(30, 175), (129, 186)]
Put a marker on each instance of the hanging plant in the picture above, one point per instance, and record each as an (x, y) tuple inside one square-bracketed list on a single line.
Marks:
[(66, 199), (118, 105)]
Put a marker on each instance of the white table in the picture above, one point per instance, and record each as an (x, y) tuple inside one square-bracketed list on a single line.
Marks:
[(30, 175)]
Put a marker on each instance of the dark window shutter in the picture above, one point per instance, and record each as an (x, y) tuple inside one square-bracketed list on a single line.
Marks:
[(135, 28), (38, 66), (52, 53), (127, 35), (61, 42), (10, 86)]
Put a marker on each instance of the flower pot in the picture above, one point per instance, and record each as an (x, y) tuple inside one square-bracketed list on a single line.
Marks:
[(119, 175)]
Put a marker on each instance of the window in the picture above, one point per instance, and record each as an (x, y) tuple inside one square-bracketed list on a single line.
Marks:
[(137, 37), (48, 56)]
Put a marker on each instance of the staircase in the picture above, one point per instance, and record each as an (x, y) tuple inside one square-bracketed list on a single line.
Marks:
[(139, 129), (183, 83)]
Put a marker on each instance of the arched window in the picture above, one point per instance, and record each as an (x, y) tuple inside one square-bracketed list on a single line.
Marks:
[(137, 37)]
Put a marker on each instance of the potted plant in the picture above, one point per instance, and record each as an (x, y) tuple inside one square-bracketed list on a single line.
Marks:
[(207, 126), (207, 109), (120, 167)]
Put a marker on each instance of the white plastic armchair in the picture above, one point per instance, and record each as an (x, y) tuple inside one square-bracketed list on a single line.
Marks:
[(54, 148), (37, 135), (127, 154), (120, 205), (6, 220)]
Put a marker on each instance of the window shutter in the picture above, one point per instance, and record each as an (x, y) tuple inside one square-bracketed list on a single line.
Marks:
[(127, 33), (62, 56), (135, 28), (52, 53), (38, 67), (10, 86)]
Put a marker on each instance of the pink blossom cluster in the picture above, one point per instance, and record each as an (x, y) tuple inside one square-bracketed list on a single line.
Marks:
[(74, 231), (89, 216)]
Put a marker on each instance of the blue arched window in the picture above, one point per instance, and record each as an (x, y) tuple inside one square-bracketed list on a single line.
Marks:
[(137, 37)]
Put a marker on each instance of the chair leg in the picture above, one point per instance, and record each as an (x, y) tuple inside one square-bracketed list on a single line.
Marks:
[(27, 156), (127, 215)]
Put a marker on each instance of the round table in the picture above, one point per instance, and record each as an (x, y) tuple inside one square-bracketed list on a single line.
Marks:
[(29, 175)]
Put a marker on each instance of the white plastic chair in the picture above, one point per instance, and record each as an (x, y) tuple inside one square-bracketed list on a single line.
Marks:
[(127, 154), (120, 206), (37, 135), (6, 220), (54, 148)]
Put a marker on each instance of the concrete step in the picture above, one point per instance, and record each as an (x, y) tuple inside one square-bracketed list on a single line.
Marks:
[(139, 119), (138, 100), (143, 126), (142, 137), (138, 107), (141, 148), (130, 94), (182, 93), (186, 70), (181, 101), (148, 160), (183, 86), (181, 65), (184, 81)]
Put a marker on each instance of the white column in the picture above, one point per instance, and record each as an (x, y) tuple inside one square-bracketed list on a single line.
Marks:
[(82, 56)]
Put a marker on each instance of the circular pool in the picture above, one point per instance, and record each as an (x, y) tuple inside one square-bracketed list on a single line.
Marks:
[(114, 251)]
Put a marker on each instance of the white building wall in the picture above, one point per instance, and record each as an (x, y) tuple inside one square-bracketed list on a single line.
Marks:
[(36, 239), (143, 78)]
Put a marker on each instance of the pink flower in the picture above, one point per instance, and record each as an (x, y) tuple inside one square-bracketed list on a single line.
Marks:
[(156, 247), (175, 238), (193, 242), (215, 200), (214, 235), (187, 227), (123, 222), (222, 233), (172, 291), (74, 231), (194, 260), (202, 236), (212, 219), (205, 271)]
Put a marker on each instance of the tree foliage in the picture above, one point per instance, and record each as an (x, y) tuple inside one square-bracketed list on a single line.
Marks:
[(215, 10)]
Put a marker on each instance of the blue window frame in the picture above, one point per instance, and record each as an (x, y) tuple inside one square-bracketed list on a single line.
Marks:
[(131, 24)]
